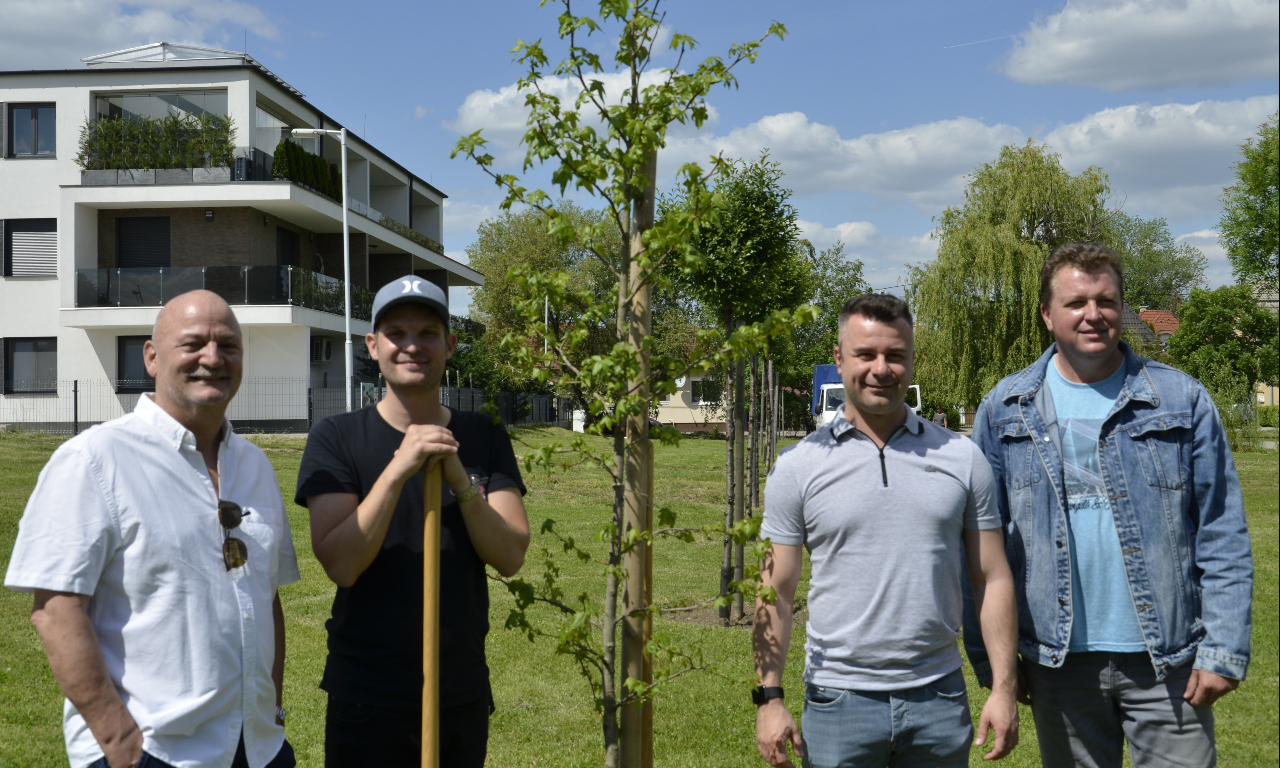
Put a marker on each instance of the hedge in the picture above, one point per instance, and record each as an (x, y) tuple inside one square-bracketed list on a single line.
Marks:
[(204, 141), (294, 163), (1269, 416)]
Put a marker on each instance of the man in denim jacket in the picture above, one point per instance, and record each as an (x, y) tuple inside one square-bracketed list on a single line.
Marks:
[(1125, 529)]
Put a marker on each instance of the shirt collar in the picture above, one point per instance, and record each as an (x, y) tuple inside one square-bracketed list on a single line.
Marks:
[(174, 433), (840, 425)]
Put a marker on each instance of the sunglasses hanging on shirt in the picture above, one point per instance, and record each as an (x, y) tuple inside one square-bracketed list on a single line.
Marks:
[(234, 552)]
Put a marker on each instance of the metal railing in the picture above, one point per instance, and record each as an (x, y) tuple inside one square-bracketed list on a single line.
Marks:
[(153, 286), (281, 404)]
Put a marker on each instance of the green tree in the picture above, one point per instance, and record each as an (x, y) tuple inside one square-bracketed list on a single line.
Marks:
[(977, 305), (514, 241), (750, 266), (836, 279), (1251, 209), (606, 145), (1159, 272), (1226, 340)]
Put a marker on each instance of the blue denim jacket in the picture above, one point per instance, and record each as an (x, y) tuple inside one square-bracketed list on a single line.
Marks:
[(1178, 510)]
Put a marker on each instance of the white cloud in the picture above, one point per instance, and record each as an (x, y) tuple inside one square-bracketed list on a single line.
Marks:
[(56, 34), (420, 111), (461, 218), (1150, 44), (925, 163), (884, 256), (851, 233), (1170, 160), (1218, 271)]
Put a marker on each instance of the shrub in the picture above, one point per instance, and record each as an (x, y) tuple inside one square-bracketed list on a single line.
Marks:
[(203, 141), (294, 163), (1269, 416)]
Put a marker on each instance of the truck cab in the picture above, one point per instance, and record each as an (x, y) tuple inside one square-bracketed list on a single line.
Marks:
[(829, 397)]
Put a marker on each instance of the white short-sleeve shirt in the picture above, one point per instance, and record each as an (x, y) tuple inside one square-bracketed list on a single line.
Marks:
[(126, 513)]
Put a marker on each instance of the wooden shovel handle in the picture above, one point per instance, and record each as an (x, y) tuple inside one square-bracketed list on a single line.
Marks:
[(431, 619)]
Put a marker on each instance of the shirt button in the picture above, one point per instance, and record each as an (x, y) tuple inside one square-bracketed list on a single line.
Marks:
[(246, 617), (1054, 657), (1061, 601), (1059, 543)]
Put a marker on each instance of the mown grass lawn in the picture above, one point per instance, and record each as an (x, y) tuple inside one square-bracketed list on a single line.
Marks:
[(545, 715)]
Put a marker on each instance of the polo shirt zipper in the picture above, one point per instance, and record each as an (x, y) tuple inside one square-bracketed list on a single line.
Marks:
[(884, 473)]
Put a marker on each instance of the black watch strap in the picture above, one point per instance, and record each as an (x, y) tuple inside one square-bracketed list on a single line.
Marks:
[(762, 693)]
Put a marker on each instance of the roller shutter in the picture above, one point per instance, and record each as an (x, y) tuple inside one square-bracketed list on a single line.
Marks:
[(30, 247), (143, 241)]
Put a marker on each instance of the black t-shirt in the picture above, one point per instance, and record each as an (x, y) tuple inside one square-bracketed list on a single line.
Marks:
[(375, 631)]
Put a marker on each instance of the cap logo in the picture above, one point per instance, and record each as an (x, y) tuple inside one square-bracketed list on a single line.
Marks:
[(412, 286)]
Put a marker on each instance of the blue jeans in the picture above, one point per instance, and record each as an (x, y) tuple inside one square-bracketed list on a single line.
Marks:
[(1086, 709), (928, 726)]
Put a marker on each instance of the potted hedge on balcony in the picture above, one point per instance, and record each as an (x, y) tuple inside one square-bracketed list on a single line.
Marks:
[(149, 150), (296, 164)]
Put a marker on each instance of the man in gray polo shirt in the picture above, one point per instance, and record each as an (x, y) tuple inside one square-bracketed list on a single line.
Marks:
[(891, 509)]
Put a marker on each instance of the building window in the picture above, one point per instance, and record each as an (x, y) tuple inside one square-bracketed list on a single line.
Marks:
[(270, 129), (142, 242), (33, 130), (160, 105), (30, 247), (30, 366), (702, 391), (130, 370)]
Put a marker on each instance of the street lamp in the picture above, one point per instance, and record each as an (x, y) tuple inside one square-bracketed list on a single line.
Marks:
[(341, 133)]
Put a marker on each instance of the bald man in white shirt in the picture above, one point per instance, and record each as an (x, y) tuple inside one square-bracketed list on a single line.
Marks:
[(155, 545)]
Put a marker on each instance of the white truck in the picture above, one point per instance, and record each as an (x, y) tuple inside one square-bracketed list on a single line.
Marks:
[(828, 394)]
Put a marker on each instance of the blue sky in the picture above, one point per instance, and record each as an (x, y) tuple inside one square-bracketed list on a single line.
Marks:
[(875, 110)]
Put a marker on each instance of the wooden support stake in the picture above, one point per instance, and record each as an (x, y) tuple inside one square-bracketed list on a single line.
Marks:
[(432, 510)]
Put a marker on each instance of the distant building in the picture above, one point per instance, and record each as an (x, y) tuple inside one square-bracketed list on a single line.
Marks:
[(1162, 321), (1136, 327), (90, 256)]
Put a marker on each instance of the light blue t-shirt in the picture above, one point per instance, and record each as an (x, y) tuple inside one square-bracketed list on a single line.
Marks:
[(1103, 616)]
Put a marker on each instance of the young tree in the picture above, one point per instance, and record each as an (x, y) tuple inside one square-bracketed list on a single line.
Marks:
[(977, 305), (1251, 209), (606, 145), (1159, 272), (1225, 336), (750, 266)]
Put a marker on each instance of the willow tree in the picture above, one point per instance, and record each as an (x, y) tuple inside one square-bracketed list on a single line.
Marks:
[(605, 144), (977, 304)]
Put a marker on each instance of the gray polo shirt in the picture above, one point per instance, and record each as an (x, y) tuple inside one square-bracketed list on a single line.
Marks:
[(883, 530)]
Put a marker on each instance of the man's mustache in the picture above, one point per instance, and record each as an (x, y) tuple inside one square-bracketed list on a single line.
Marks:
[(206, 374)]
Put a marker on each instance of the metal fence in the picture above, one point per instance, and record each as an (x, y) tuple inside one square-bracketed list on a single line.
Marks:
[(262, 404)]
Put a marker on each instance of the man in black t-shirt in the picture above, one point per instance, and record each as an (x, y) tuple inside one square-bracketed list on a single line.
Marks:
[(361, 477)]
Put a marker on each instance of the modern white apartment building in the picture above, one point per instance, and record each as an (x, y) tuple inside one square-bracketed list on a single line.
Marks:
[(90, 256)]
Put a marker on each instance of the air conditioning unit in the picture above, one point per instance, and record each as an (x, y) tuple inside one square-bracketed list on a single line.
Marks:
[(321, 349)]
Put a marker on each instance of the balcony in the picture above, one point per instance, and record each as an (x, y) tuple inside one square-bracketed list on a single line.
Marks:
[(265, 285)]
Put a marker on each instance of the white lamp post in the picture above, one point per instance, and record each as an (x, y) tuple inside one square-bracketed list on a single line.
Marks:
[(341, 133)]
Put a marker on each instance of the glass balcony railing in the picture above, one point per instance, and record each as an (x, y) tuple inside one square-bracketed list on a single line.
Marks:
[(238, 285)]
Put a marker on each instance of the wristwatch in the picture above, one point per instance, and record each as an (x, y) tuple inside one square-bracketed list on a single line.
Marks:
[(280, 713), (762, 693), (470, 492)]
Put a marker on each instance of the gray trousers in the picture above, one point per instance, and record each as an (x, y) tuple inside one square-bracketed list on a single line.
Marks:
[(1086, 709)]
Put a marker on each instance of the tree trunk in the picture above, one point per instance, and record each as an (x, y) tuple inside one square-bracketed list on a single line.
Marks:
[(739, 473), (726, 564), (753, 426), (639, 459)]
